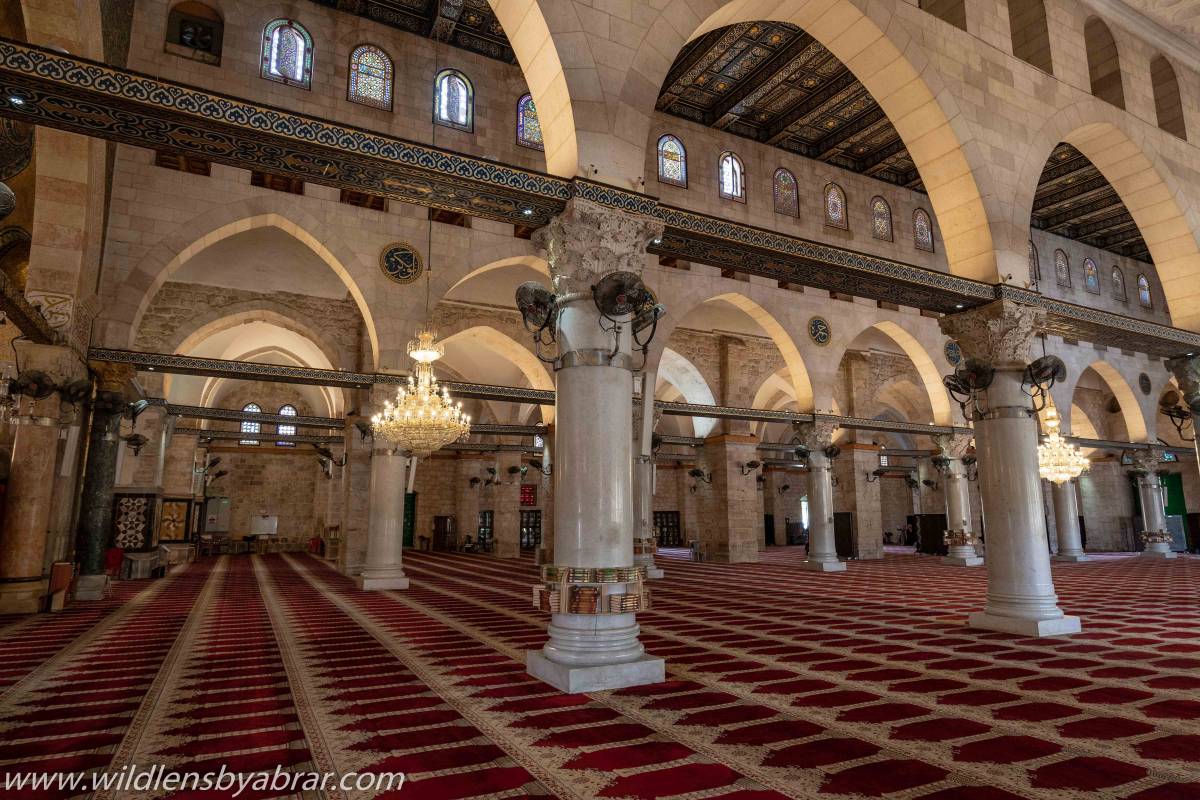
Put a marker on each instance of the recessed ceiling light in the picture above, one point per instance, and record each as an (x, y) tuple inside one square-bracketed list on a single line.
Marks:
[(527, 212), (16, 101), (958, 305)]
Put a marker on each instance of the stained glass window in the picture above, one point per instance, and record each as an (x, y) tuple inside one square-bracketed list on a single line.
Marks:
[(1118, 279), (287, 53), (881, 219), (922, 230), (249, 426), (529, 130), (453, 100), (1091, 276), (286, 430), (835, 206), (672, 161), (1062, 270), (371, 77), (1035, 269), (732, 177), (787, 197), (1144, 292)]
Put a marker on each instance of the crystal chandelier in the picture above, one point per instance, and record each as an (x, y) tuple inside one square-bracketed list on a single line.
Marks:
[(1059, 461), (423, 418)]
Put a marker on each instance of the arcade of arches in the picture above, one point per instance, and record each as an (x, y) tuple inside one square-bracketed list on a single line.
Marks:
[(752, 501)]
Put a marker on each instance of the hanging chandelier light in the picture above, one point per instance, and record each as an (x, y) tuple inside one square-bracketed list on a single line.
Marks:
[(1058, 460), (423, 418)]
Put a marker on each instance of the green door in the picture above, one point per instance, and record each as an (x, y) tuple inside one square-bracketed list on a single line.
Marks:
[(1173, 490), (410, 517)]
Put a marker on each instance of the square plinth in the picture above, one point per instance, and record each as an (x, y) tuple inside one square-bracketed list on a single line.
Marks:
[(824, 566), (1073, 559), (578, 679), (1063, 626), (962, 561), (366, 584), (90, 587), (1159, 554)]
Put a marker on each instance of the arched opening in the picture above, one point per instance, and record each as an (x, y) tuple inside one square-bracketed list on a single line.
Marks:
[(676, 371), (1030, 35), (1104, 63), (482, 354), (1167, 103), (1109, 403), (885, 363)]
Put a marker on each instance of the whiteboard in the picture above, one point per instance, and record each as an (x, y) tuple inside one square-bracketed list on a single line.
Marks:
[(261, 525)]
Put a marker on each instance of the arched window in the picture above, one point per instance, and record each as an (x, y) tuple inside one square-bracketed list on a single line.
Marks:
[(835, 206), (1091, 276), (370, 77), (1104, 65), (1118, 279), (787, 196), (1030, 35), (732, 177), (287, 53), (287, 410), (881, 219), (195, 31), (1144, 292), (672, 161), (454, 100), (529, 130), (1035, 269), (1166, 97), (250, 427), (922, 230), (1062, 270)]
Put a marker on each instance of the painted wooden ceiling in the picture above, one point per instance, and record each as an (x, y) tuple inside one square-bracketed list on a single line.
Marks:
[(775, 84), (468, 24), (1074, 200)]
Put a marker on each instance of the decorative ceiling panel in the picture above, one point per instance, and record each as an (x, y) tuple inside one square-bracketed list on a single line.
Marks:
[(467, 24), (775, 84)]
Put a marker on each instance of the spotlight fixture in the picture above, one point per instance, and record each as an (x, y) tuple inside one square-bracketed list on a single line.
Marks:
[(700, 475), (527, 212), (785, 488), (750, 466), (136, 442), (474, 482), (16, 101)]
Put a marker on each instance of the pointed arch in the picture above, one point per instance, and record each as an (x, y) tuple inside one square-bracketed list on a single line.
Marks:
[(1104, 62), (1131, 408), (731, 177), (1167, 103), (1091, 276), (1062, 269), (501, 346), (881, 219), (529, 129), (454, 100), (922, 230), (931, 378), (786, 193), (370, 82), (681, 373), (783, 341), (287, 53), (1119, 291), (1144, 295), (836, 215), (672, 161)]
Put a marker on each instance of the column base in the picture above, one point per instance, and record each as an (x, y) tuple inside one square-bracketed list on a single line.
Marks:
[(962, 561), (381, 583), (24, 597), (575, 679), (1159, 554), (1071, 557), (824, 566), (1061, 626), (90, 587)]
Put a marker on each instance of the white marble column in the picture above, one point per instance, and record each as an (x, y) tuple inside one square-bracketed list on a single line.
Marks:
[(384, 568), (598, 648), (822, 550), (1021, 596), (1066, 522), (960, 535), (644, 541), (1156, 539)]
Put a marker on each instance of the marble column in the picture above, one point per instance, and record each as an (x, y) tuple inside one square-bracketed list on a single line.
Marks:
[(1156, 539), (384, 566), (960, 535), (595, 646), (1021, 596), (100, 473), (1066, 522), (822, 551), (30, 493), (644, 542)]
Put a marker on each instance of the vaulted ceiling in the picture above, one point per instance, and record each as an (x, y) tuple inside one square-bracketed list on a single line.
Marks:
[(1074, 200), (775, 84), (469, 24)]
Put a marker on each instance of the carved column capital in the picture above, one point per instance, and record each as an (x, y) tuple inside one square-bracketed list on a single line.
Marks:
[(816, 435), (588, 240), (1186, 370), (112, 377), (1147, 460), (999, 333), (954, 445)]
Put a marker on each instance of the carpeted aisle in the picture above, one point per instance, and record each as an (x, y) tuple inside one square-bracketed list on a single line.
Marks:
[(864, 684)]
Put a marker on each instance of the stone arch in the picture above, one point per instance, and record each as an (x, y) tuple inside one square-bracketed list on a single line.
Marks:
[(925, 115), (1146, 185), (683, 375), (533, 262), (334, 398), (501, 346), (1131, 409), (172, 252), (927, 370), (534, 44)]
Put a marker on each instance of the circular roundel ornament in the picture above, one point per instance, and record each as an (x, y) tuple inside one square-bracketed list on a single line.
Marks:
[(1144, 384), (400, 262), (819, 331), (953, 352)]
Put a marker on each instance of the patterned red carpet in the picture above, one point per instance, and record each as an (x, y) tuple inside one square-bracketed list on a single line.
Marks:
[(864, 684)]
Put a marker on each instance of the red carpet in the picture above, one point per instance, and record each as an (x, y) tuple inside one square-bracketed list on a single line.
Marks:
[(864, 684)]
